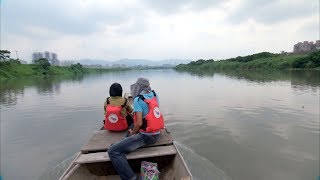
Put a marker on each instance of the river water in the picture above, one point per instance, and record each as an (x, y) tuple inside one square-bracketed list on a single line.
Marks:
[(227, 125)]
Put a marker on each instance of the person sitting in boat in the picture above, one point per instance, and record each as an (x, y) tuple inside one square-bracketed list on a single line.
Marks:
[(117, 110), (148, 121)]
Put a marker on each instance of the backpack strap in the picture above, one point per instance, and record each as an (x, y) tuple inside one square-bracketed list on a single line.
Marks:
[(141, 97), (154, 93)]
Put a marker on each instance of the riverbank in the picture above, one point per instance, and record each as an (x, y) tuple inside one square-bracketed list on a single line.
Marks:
[(262, 60), (14, 69)]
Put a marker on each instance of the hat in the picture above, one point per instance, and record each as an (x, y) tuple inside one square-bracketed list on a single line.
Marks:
[(142, 84)]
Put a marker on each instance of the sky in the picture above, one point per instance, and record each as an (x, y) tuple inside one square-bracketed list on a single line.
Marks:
[(156, 29)]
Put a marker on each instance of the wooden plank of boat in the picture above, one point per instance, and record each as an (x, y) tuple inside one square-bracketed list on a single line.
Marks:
[(138, 154), (102, 139)]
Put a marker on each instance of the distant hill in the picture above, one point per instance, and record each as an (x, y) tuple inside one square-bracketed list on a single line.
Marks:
[(91, 62), (133, 62)]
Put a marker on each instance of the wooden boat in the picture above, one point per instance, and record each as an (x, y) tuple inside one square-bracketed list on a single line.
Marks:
[(93, 162)]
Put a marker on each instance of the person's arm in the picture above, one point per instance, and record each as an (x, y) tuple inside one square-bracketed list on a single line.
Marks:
[(137, 124)]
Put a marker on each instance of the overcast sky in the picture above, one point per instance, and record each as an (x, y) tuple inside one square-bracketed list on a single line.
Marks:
[(156, 29)]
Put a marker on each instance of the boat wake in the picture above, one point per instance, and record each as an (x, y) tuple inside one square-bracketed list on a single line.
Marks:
[(200, 167), (55, 172)]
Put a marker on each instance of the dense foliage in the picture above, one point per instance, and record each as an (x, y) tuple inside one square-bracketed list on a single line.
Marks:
[(77, 68), (43, 63), (262, 60), (11, 68), (253, 57), (310, 61), (4, 55)]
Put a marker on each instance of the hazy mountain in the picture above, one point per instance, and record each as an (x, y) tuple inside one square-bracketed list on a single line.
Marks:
[(92, 62), (133, 62)]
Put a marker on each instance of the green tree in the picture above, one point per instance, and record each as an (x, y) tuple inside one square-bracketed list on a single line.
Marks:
[(310, 61), (4, 55), (198, 62), (43, 63), (77, 68)]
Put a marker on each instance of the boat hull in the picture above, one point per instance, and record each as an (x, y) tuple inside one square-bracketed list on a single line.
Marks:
[(171, 166)]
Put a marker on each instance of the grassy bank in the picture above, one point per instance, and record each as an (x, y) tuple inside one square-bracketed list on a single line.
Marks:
[(263, 60), (13, 69)]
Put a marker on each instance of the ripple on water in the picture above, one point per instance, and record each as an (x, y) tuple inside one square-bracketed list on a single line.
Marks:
[(56, 172), (200, 167), (311, 126)]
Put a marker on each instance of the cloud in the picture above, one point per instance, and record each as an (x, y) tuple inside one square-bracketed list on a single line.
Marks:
[(71, 17), (272, 11), (170, 7), (188, 29), (310, 29)]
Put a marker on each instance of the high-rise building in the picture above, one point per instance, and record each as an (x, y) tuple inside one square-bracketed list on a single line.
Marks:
[(54, 59), (36, 56), (51, 57), (306, 47), (47, 55), (54, 56)]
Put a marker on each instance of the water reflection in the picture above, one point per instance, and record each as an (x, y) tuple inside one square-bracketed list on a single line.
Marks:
[(298, 78), (13, 89)]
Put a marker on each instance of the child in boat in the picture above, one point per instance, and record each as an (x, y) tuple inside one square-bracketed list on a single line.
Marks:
[(117, 110)]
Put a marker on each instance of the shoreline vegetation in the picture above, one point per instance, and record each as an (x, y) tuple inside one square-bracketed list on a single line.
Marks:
[(260, 61), (14, 69)]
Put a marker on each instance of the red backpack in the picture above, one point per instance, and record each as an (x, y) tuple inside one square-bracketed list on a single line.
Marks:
[(153, 122), (114, 121)]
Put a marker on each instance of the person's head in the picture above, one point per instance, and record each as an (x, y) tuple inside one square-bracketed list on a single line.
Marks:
[(142, 84), (115, 89)]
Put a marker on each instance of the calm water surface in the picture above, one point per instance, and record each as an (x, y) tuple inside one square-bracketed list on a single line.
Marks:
[(228, 125)]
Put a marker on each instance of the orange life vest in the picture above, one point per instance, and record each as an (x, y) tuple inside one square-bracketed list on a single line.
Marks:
[(153, 122), (114, 121)]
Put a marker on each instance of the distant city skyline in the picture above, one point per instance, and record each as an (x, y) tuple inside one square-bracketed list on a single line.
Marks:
[(50, 56), (306, 46), (139, 29)]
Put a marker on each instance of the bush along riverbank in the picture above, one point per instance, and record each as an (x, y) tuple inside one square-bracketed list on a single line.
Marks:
[(264, 60), (13, 69)]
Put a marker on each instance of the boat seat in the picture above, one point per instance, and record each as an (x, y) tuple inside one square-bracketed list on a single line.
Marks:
[(138, 154), (102, 139)]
